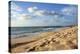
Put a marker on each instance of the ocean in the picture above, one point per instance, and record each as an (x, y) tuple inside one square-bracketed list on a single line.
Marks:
[(20, 31)]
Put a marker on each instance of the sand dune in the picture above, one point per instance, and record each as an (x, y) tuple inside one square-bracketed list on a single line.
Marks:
[(48, 41)]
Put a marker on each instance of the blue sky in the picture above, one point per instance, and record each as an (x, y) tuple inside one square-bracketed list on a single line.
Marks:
[(42, 14)]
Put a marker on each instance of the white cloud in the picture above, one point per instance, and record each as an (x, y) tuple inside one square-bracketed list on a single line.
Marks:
[(48, 18), (14, 14), (35, 8), (39, 13), (35, 11), (15, 11), (17, 17), (20, 20), (15, 7), (53, 12), (69, 10), (32, 9), (70, 15)]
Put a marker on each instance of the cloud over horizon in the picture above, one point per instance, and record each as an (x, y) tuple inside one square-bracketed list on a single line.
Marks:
[(37, 16)]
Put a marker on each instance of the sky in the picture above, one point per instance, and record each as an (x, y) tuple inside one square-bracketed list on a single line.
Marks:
[(42, 14)]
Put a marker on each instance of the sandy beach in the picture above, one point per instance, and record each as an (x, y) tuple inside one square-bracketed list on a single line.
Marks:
[(64, 39)]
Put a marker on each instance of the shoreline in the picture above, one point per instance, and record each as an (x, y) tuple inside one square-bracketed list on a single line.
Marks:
[(47, 41), (36, 33)]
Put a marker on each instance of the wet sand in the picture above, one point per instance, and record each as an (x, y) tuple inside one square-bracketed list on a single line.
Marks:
[(63, 39)]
